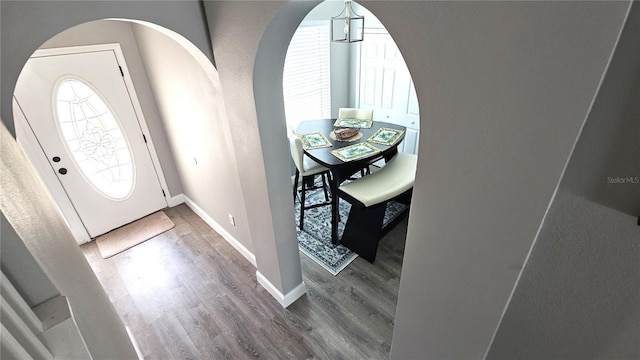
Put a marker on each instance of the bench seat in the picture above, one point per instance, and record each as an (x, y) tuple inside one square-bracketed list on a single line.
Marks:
[(395, 178), (369, 196)]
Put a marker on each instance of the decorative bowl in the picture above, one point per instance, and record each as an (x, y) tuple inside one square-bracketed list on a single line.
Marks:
[(345, 133)]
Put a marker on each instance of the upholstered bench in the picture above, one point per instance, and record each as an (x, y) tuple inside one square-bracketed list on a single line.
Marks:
[(369, 196)]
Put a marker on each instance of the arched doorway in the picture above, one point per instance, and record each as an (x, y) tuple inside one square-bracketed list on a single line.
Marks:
[(268, 95), (177, 90), (321, 76)]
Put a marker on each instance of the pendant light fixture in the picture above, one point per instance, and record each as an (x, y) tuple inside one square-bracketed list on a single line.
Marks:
[(347, 27)]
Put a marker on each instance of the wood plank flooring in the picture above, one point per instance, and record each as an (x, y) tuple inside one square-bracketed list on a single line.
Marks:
[(187, 294)]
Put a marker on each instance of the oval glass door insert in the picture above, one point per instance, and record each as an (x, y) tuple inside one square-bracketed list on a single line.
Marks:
[(94, 138)]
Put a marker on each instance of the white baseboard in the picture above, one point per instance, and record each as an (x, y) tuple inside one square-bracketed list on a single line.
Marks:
[(284, 300), (175, 200), (134, 343), (220, 230)]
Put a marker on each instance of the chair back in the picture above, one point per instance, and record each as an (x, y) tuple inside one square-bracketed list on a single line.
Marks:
[(355, 113), (297, 152)]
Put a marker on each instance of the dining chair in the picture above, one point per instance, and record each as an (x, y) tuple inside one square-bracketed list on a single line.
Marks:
[(359, 114), (307, 169), (355, 113)]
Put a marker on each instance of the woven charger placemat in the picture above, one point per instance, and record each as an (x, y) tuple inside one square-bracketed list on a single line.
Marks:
[(355, 151), (314, 140)]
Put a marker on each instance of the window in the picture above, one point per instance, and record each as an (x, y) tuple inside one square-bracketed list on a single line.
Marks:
[(93, 136), (306, 78)]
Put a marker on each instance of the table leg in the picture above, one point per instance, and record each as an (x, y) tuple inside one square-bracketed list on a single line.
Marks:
[(333, 184)]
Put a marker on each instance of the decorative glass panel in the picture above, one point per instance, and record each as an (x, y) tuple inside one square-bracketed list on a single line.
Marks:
[(95, 139)]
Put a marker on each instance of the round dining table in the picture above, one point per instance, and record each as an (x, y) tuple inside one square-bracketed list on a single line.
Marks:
[(340, 169)]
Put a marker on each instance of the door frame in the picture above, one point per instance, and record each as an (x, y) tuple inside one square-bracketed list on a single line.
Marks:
[(27, 139)]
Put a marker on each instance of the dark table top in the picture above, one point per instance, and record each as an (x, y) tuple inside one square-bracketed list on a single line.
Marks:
[(324, 156)]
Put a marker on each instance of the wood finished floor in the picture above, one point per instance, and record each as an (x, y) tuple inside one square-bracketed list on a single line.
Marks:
[(187, 294)]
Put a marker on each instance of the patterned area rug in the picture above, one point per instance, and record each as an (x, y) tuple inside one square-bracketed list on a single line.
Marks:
[(315, 240)]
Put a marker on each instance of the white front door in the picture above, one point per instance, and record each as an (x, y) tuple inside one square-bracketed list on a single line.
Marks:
[(79, 109)]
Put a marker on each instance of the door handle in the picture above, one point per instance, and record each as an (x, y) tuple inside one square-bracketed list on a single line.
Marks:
[(62, 171)]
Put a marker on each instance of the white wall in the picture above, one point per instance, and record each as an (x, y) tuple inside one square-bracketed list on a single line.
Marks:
[(579, 295), (191, 105)]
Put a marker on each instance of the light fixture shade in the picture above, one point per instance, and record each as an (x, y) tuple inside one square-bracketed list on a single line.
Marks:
[(347, 26)]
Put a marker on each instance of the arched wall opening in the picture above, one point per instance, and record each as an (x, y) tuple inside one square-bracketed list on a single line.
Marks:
[(487, 112), (25, 202), (183, 113), (268, 93)]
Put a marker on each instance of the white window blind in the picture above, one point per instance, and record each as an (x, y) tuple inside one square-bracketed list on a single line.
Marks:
[(306, 78)]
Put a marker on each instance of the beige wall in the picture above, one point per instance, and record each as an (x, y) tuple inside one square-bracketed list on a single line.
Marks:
[(191, 104), (236, 36)]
